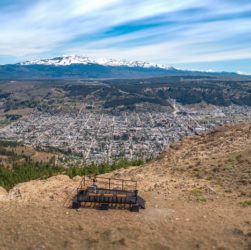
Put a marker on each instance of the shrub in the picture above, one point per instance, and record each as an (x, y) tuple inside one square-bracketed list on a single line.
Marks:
[(198, 194), (246, 203)]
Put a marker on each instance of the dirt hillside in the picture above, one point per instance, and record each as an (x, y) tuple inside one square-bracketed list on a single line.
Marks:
[(3, 193), (198, 196)]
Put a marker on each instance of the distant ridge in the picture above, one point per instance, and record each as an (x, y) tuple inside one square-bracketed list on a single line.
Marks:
[(75, 59), (75, 66)]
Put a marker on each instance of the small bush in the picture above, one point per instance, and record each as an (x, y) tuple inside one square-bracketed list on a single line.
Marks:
[(198, 194), (246, 203), (228, 167)]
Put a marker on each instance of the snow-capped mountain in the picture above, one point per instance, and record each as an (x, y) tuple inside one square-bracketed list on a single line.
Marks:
[(75, 59), (84, 67)]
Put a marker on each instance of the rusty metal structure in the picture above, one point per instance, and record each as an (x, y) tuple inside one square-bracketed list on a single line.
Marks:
[(106, 193)]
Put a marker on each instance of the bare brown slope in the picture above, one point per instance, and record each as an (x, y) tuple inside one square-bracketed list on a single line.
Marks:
[(197, 198), (3, 193), (220, 159)]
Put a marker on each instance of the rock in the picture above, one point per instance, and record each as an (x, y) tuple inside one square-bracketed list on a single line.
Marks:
[(59, 178), (3, 191), (77, 178), (113, 235), (56, 188), (237, 231), (139, 177)]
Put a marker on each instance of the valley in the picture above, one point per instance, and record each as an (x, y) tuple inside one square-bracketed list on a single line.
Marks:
[(106, 120), (87, 137), (85, 121)]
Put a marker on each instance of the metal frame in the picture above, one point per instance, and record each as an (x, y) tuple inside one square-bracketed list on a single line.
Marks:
[(108, 191)]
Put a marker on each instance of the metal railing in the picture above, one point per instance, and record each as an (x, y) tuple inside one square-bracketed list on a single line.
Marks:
[(108, 183)]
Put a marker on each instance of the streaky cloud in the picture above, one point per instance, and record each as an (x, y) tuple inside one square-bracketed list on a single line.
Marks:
[(171, 32)]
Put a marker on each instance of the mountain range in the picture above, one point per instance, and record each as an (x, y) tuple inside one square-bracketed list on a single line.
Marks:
[(84, 67), (75, 59)]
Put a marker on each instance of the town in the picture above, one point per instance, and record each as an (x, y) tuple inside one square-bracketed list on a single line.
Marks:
[(102, 137)]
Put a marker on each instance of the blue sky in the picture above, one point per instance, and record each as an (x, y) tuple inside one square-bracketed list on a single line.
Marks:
[(190, 34)]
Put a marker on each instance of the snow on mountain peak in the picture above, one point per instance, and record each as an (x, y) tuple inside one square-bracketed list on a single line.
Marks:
[(75, 59)]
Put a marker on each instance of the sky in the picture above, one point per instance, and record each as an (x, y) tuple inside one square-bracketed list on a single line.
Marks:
[(187, 34)]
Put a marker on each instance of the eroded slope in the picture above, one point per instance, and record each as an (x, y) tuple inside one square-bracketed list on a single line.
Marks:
[(197, 196)]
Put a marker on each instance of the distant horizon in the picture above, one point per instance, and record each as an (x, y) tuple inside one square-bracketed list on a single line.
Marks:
[(178, 68), (185, 34)]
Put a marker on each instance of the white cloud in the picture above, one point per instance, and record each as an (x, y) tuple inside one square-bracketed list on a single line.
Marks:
[(48, 27)]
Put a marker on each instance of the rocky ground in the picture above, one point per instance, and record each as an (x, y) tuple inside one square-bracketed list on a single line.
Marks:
[(198, 196)]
